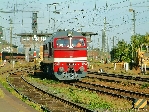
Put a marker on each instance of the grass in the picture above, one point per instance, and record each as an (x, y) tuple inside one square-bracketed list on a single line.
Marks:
[(145, 86), (1, 93), (84, 97), (91, 99)]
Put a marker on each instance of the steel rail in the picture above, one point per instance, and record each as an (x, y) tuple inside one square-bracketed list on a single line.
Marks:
[(116, 92), (43, 107)]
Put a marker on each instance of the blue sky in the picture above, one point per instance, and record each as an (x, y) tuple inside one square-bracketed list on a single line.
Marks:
[(91, 18)]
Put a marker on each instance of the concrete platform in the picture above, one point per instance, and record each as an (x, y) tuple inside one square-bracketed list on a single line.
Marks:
[(10, 103)]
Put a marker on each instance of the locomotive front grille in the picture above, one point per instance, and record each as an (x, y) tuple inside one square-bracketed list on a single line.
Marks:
[(70, 70)]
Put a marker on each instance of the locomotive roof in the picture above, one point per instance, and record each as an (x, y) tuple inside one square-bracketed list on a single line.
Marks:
[(62, 34), (65, 33)]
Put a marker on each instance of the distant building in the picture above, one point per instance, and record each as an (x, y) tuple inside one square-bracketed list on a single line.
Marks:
[(7, 47)]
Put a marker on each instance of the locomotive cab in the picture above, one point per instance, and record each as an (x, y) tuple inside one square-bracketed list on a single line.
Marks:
[(72, 60)]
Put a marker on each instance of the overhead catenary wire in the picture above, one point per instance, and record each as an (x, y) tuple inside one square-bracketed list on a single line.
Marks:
[(91, 18)]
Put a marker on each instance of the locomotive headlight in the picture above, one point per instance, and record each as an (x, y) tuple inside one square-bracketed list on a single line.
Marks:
[(61, 69), (81, 68), (58, 63), (83, 63)]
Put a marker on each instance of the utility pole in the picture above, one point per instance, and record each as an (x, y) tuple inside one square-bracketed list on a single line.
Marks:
[(54, 24), (131, 10), (92, 55), (113, 49), (113, 42), (98, 50), (55, 11), (104, 41), (134, 24), (104, 36), (134, 19), (1, 34), (11, 55), (48, 9)]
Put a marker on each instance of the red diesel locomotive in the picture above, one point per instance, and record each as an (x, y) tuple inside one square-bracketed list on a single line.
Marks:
[(65, 55)]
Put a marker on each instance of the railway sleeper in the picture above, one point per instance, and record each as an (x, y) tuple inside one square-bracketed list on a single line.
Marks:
[(104, 74), (128, 77), (137, 78), (147, 95), (111, 75)]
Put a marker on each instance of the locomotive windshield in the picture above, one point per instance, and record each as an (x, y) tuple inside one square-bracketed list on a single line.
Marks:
[(70, 42), (78, 42), (62, 42)]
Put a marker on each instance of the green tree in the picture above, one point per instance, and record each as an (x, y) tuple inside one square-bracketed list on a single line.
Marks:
[(121, 51), (137, 41)]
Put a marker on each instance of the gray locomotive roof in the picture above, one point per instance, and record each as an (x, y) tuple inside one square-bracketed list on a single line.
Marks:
[(63, 34)]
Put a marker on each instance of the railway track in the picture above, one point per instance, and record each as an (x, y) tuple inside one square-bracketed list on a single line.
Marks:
[(116, 92), (113, 91), (118, 78), (121, 93), (48, 101), (36, 95)]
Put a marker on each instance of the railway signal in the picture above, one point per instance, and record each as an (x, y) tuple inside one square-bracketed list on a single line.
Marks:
[(34, 23)]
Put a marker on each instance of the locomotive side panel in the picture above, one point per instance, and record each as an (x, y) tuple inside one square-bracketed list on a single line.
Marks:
[(46, 65)]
